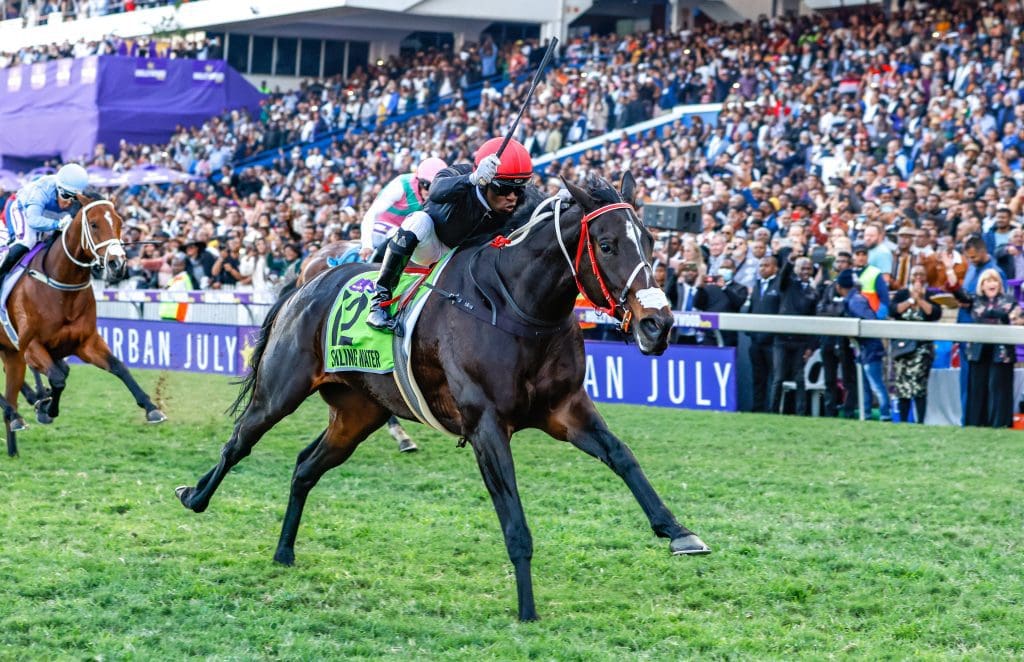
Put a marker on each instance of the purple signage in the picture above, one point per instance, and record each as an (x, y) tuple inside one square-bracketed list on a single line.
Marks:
[(210, 348), (684, 376)]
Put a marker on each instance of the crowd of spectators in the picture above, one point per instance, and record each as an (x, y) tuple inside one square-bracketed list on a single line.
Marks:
[(882, 145), (43, 12), (193, 47)]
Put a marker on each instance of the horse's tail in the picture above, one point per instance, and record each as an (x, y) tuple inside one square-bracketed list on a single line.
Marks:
[(248, 382)]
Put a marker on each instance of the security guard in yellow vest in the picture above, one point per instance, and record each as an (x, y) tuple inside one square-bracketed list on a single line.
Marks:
[(873, 284), (180, 282)]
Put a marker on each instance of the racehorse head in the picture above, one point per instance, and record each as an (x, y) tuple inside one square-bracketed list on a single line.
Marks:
[(613, 263), (93, 240)]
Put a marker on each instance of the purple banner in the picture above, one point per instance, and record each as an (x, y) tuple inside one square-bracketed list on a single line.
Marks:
[(683, 377), (210, 348), (64, 107)]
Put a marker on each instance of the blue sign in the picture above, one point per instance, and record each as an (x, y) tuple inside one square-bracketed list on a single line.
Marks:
[(684, 376)]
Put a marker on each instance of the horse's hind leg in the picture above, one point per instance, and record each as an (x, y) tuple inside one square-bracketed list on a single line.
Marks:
[(274, 397), (353, 418), (14, 367), (95, 351), (578, 422), (32, 396), (398, 433)]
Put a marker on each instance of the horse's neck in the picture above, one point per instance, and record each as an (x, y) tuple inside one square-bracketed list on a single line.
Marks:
[(57, 264), (537, 273)]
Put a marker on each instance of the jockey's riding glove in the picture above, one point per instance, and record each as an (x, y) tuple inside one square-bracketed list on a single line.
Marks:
[(485, 172), (63, 223)]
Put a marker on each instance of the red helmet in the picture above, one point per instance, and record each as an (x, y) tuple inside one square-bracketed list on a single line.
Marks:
[(516, 168)]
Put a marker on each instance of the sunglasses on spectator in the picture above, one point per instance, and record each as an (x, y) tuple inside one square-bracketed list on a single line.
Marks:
[(504, 190)]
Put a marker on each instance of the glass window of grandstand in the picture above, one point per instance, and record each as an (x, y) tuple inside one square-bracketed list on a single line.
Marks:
[(358, 55), (292, 56), (334, 58), (287, 56), (309, 63), (238, 51), (422, 41), (262, 55)]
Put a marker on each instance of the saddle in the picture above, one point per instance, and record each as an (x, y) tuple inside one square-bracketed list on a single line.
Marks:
[(8, 286)]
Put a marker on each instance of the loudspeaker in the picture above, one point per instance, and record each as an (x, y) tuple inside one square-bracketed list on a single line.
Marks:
[(675, 216)]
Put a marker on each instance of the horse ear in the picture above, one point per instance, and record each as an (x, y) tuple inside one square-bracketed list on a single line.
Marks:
[(628, 190), (584, 199)]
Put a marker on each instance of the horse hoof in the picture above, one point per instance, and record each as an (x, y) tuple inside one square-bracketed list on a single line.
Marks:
[(690, 544), (18, 425), (407, 446), (185, 494), (155, 416), (44, 417), (285, 557)]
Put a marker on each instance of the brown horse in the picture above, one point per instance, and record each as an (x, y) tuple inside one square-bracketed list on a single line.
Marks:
[(53, 311), (332, 255), (497, 349)]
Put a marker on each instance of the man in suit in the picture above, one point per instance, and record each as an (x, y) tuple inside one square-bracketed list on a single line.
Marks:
[(686, 298), (722, 294), (798, 296), (764, 300)]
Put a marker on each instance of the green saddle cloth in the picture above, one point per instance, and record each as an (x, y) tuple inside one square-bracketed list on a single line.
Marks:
[(352, 344)]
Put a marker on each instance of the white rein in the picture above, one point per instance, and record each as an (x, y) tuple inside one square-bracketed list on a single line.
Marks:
[(113, 246)]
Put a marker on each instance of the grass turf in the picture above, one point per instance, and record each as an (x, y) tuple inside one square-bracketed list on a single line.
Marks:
[(829, 538)]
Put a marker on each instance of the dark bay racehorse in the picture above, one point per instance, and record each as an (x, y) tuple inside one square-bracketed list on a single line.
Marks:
[(53, 311), (314, 265), (481, 381)]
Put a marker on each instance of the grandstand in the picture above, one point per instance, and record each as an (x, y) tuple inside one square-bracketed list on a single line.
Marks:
[(794, 127)]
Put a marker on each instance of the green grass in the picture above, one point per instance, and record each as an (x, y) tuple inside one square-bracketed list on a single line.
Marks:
[(830, 539)]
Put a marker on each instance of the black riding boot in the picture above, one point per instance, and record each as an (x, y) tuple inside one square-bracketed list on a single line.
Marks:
[(14, 254), (399, 252)]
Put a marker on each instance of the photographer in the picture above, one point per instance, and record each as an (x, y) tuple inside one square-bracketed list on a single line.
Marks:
[(225, 270), (721, 294)]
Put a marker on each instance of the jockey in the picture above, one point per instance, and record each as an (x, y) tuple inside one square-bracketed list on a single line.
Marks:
[(42, 205), (464, 202), (403, 196)]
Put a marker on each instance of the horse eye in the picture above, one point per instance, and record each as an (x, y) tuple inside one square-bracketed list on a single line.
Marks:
[(605, 247)]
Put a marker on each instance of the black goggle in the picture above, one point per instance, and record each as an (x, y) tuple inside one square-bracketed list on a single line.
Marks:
[(506, 189), (424, 185), (66, 195)]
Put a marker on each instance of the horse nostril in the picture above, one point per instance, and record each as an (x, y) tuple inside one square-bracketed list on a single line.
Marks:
[(650, 327)]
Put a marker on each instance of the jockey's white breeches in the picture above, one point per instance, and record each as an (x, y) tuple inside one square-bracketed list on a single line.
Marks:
[(21, 232), (430, 249)]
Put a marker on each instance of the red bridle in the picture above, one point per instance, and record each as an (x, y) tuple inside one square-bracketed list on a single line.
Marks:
[(613, 305)]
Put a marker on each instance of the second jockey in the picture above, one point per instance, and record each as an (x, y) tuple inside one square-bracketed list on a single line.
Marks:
[(43, 205), (403, 196), (465, 201)]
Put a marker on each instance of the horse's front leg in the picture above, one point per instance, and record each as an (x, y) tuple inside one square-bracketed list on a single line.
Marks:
[(37, 356), (95, 351), (578, 422), (490, 442), (14, 367)]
